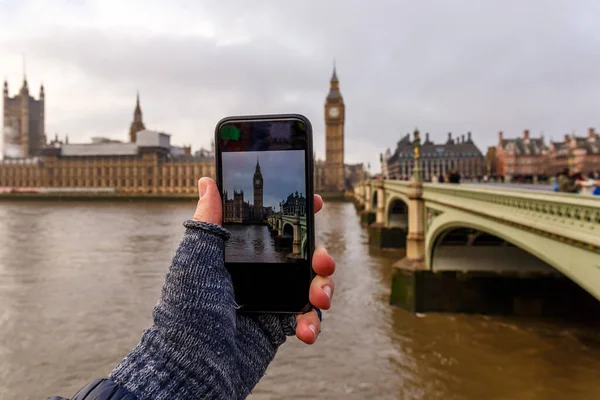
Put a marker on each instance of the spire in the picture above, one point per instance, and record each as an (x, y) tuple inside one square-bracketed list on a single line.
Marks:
[(334, 87), (137, 124), (5, 90), (42, 91), (334, 78), (24, 88), (257, 164), (138, 110)]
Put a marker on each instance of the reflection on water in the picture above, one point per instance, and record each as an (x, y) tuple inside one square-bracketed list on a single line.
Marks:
[(253, 243), (78, 282)]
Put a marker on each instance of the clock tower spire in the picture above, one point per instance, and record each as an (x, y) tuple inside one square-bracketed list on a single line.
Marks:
[(334, 136)]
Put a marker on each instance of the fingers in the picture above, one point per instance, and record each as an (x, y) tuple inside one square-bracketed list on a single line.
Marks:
[(322, 262), (321, 292), (318, 203), (210, 207), (308, 327)]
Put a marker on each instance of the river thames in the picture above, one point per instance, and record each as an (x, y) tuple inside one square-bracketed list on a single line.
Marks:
[(78, 281)]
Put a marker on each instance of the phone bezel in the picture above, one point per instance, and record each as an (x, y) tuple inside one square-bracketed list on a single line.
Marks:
[(310, 225)]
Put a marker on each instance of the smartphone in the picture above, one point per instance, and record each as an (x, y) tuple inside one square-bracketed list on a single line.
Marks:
[(264, 171)]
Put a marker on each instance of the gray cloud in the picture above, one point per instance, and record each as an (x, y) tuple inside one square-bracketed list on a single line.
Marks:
[(441, 66)]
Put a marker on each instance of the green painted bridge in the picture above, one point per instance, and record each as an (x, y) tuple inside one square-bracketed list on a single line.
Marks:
[(449, 227), (289, 229)]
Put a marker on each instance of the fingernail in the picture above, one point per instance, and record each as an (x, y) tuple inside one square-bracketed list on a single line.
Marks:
[(203, 187), (321, 249), (327, 290), (313, 328)]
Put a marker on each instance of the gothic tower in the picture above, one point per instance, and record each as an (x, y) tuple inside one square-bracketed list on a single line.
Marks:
[(23, 125), (334, 137), (258, 192), (137, 124)]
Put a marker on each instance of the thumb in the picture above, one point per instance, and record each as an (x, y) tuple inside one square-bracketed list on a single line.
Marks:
[(210, 207)]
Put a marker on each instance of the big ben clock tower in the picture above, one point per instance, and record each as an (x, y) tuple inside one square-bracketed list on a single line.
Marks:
[(258, 192), (334, 137)]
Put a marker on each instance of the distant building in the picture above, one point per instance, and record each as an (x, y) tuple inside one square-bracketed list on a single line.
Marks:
[(295, 204), (236, 210), (150, 164), (491, 161), (354, 173), (460, 154), (521, 158), (578, 153), (24, 128), (384, 159)]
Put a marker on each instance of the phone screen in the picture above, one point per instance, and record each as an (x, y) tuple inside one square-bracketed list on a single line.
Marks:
[(265, 177)]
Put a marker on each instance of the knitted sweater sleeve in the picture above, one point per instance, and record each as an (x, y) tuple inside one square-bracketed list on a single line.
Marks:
[(198, 346)]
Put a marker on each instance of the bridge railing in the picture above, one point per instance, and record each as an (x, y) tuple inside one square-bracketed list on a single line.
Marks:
[(567, 215)]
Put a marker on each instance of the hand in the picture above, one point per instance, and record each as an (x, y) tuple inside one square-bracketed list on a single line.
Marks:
[(210, 209)]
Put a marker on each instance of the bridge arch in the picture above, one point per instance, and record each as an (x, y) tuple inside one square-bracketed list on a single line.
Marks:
[(374, 193), (576, 264), (288, 229), (396, 211)]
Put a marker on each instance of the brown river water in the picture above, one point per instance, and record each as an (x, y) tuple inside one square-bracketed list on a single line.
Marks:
[(78, 281)]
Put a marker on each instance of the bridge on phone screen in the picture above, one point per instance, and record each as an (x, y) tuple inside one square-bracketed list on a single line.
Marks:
[(289, 231), (458, 235)]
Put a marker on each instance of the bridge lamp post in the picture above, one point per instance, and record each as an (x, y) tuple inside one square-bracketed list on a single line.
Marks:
[(571, 162), (417, 168)]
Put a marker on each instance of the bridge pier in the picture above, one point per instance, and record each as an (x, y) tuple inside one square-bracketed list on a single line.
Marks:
[(487, 292), (380, 235), (297, 241), (359, 198), (408, 273), (367, 215)]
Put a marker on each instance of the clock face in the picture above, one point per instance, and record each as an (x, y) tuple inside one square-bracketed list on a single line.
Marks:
[(334, 112), (257, 181)]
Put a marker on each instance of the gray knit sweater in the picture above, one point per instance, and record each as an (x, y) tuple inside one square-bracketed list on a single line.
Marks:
[(198, 346)]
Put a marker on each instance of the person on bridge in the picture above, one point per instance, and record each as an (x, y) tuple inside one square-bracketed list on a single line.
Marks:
[(566, 182), (454, 177), (199, 347)]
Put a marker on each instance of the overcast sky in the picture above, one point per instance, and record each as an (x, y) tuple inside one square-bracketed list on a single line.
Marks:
[(442, 66), (282, 171)]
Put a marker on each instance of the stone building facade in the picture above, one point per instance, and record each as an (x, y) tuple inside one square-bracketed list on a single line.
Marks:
[(491, 162), (24, 125), (461, 155), (577, 153), (522, 157), (236, 210), (150, 164), (295, 204)]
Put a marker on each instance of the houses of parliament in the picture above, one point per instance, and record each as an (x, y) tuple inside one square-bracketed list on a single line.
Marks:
[(146, 163)]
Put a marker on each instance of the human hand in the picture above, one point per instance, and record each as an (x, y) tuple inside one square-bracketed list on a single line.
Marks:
[(210, 209)]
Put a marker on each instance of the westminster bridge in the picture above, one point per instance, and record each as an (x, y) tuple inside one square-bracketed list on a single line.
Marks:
[(289, 231), (461, 240)]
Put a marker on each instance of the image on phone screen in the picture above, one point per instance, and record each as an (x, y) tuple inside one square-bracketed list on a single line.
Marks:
[(264, 192)]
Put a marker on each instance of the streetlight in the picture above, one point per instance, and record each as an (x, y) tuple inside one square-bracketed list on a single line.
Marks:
[(417, 168)]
